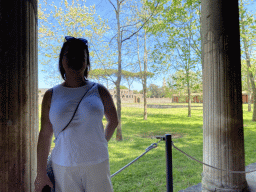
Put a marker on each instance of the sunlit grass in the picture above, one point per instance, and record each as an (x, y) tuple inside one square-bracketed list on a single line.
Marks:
[(149, 172), (250, 136)]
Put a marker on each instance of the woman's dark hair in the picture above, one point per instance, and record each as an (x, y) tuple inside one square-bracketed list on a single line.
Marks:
[(75, 56)]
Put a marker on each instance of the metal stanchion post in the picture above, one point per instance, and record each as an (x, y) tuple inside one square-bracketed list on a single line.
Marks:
[(169, 179)]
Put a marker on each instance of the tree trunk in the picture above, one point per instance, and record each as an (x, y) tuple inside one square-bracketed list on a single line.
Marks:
[(145, 75), (18, 95), (189, 102), (223, 145), (249, 94), (188, 88), (249, 101), (119, 41)]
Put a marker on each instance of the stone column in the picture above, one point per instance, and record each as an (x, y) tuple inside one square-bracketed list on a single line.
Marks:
[(18, 94), (222, 96)]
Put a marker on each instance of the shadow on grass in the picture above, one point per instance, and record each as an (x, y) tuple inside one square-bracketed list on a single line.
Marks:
[(159, 128)]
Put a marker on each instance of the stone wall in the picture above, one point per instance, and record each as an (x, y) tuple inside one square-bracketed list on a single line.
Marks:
[(136, 98), (159, 100), (149, 100)]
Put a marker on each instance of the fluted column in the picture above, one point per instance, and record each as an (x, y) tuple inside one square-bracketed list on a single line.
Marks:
[(18, 94), (222, 113)]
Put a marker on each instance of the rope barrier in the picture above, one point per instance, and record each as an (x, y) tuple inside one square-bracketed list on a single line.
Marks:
[(210, 165), (152, 146)]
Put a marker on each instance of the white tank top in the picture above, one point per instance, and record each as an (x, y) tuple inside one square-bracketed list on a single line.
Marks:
[(83, 141)]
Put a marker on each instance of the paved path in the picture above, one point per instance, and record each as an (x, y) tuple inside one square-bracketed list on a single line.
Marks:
[(250, 177)]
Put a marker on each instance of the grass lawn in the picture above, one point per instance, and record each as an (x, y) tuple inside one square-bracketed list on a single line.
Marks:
[(149, 172)]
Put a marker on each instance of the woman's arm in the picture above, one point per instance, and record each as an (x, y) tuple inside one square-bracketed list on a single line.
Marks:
[(109, 110), (45, 135), (44, 142)]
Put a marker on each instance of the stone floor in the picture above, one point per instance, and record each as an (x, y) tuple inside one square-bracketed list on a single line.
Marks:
[(250, 177)]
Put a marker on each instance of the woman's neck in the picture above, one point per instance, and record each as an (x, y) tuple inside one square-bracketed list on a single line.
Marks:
[(74, 83)]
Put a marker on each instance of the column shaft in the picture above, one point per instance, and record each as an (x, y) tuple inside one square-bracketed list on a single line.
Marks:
[(18, 94), (223, 119)]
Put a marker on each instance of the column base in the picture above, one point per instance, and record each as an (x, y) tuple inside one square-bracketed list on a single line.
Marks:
[(250, 178), (208, 185)]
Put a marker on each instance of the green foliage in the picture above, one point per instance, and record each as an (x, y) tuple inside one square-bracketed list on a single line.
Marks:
[(178, 28), (244, 72), (167, 92), (156, 91), (139, 75), (247, 30), (109, 73), (123, 87), (135, 92), (179, 80), (101, 73), (179, 47)]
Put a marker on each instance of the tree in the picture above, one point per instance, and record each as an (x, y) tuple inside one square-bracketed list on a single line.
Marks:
[(121, 31), (68, 19), (143, 70), (129, 77), (166, 26), (166, 89), (155, 91), (123, 87), (143, 13), (178, 82), (135, 92), (247, 31), (246, 84), (182, 40)]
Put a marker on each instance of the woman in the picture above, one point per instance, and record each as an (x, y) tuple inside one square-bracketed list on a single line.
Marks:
[(80, 156)]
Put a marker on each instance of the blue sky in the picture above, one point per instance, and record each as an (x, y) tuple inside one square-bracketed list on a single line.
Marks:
[(105, 10)]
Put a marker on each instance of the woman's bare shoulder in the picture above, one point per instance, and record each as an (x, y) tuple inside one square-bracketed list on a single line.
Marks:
[(103, 91), (47, 97)]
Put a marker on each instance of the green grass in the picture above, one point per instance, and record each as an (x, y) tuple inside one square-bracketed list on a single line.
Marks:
[(250, 136), (149, 172)]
